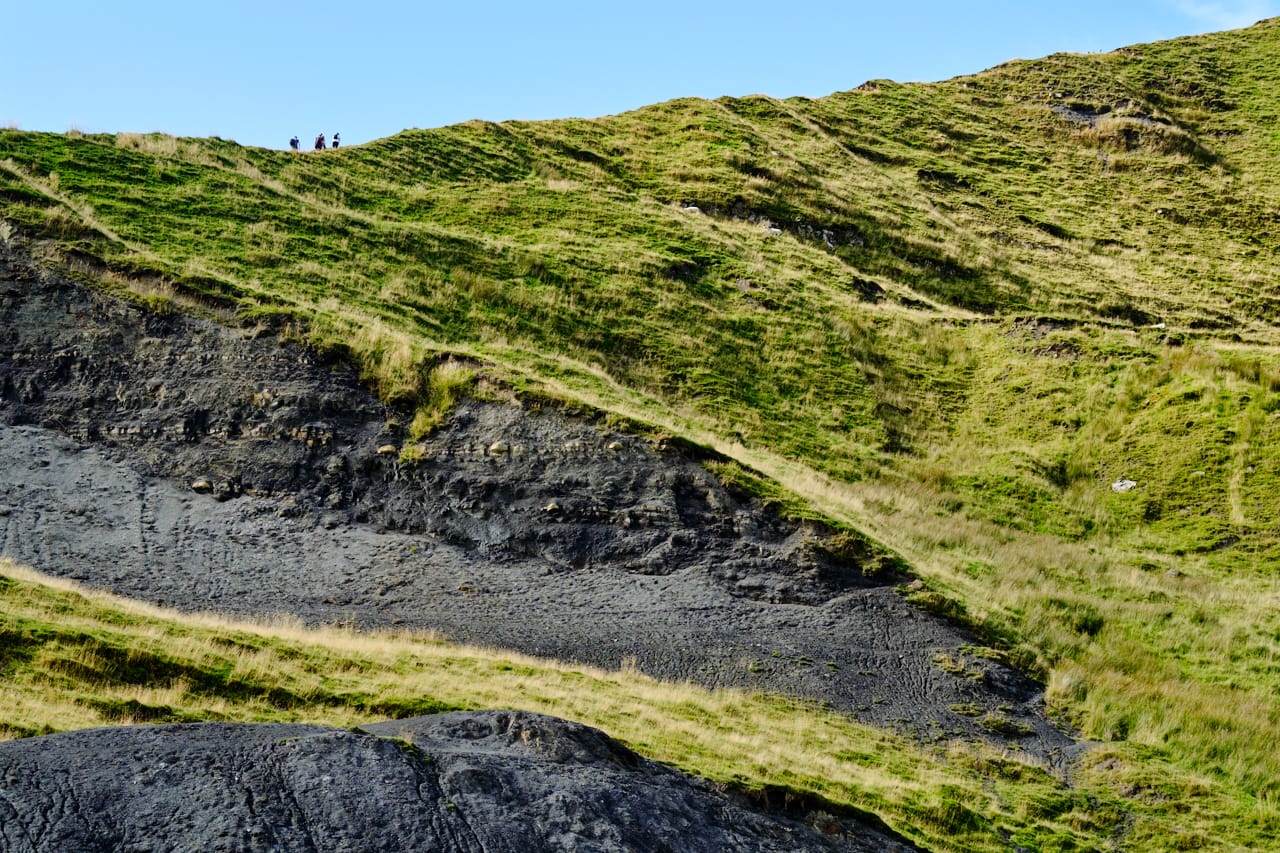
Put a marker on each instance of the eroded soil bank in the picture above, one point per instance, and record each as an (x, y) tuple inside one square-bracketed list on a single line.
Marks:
[(194, 465)]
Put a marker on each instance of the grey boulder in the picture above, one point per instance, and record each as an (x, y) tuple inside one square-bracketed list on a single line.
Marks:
[(471, 781)]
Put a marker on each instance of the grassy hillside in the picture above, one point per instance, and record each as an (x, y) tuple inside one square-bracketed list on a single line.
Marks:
[(949, 314)]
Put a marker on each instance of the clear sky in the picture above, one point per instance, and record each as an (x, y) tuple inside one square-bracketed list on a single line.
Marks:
[(259, 72)]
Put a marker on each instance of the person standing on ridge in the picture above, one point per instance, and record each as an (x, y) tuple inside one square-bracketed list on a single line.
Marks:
[(319, 141), (293, 143), (335, 141)]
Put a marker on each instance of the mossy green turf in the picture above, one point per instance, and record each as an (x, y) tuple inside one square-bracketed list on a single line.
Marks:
[(950, 314)]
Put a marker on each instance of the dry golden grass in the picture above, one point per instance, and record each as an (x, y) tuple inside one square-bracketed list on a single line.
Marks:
[(963, 796), (726, 734)]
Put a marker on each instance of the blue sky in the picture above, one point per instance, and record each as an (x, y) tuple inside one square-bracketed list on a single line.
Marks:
[(258, 72)]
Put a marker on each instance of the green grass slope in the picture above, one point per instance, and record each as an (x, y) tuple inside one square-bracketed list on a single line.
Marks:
[(951, 315)]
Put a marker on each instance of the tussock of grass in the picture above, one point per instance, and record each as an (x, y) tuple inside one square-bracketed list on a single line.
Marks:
[(447, 384)]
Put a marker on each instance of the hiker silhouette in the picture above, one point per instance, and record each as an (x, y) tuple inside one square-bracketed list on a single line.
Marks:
[(293, 143), (319, 141), (335, 141)]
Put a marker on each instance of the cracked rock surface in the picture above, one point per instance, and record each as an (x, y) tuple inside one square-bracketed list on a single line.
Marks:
[(454, 783)]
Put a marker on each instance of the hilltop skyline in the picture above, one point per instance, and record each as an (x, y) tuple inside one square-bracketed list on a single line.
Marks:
[(263, 72)]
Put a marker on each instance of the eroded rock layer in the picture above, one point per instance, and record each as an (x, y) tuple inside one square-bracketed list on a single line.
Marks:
[(195, 465)]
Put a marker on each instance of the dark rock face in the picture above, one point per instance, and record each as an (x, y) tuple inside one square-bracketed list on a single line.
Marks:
[(230, 415), (467, 782), (197, 466)]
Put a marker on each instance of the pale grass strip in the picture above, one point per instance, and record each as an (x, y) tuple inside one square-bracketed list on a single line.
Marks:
[(725, 734)]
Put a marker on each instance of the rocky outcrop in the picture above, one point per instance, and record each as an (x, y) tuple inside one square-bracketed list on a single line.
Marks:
[(455, 783), (205, 467)]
